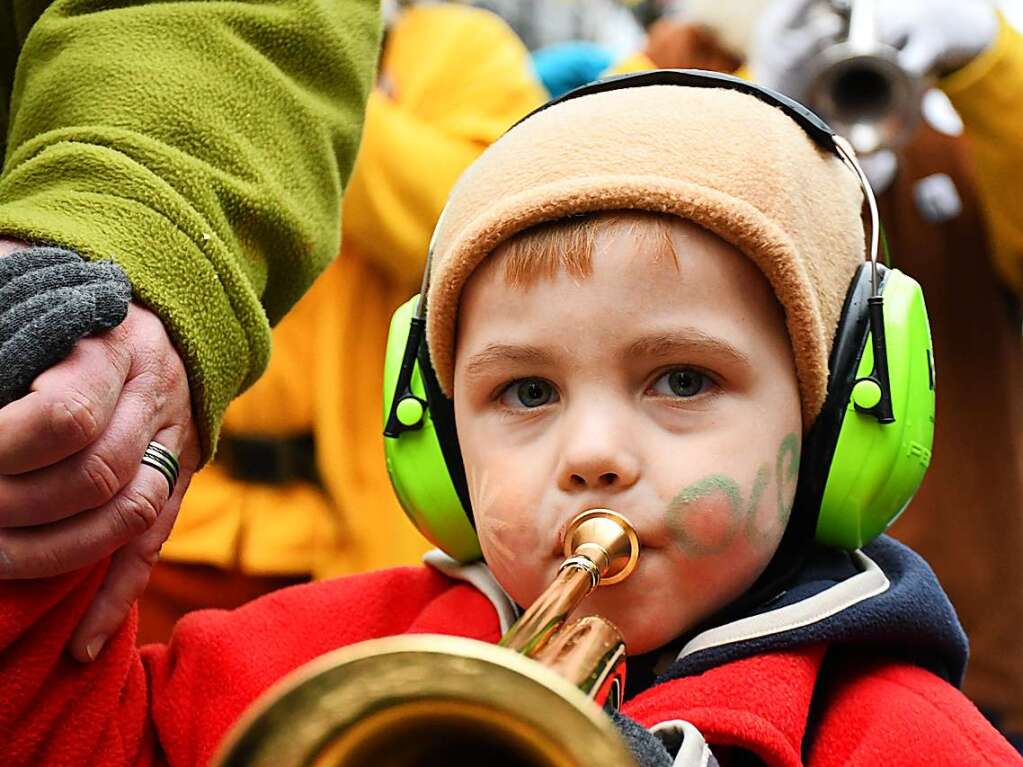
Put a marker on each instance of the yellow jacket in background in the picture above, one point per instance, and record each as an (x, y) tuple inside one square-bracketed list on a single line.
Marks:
[(453, 79), (988, 95)]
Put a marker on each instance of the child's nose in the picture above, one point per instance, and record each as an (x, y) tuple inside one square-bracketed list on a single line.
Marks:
[(595, 459), (580, 480)]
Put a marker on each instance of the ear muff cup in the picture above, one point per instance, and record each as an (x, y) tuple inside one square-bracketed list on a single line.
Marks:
[(876, 468), (420, 469), (856, 474)]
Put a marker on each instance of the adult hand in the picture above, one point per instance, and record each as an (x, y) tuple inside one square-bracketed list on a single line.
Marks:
[(933, 37), (72, 486)]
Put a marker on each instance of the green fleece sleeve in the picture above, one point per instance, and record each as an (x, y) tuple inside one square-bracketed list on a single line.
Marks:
[(203, 146)]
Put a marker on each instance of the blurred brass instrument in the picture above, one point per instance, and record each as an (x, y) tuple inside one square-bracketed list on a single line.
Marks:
[(859, 88), (445, 700)]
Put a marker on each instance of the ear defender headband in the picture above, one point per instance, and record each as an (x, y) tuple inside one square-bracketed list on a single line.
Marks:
[(862, 460)]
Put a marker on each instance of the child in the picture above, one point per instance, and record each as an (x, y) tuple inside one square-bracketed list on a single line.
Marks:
[(632, 302)]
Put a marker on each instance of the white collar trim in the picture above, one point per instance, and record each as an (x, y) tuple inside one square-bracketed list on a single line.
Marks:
[(477, 574), (867, 583)]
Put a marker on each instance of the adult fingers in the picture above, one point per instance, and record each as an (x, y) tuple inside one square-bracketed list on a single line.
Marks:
[(91, 477), (68, 408), (155, 395), (59, 547), (129, 571), (124, 583)]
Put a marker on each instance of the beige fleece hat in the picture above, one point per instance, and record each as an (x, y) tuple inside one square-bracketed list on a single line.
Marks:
[(724, 160)]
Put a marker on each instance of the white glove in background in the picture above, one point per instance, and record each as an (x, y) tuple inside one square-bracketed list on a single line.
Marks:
[(934, 37), (937, 37), (788, 34)]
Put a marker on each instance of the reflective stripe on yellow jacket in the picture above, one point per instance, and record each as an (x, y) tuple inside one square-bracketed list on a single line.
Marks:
[(454, 79)]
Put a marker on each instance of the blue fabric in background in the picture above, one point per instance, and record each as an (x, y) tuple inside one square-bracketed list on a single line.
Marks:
[(564, 66)]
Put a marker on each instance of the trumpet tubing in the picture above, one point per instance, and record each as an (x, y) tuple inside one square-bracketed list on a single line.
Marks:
[(420, 700)]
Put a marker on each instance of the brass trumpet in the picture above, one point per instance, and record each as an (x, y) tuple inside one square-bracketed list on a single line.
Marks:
[(444, 700), (859, 88)]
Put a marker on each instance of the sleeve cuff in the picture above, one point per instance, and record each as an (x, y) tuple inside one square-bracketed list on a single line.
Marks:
[(169, 277)]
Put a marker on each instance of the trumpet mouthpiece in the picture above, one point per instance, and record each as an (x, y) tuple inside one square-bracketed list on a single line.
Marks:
[(606, 539)]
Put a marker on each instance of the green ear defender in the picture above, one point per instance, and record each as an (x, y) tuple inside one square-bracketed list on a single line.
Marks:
[(415, 462), (862, 460), (878, 453)]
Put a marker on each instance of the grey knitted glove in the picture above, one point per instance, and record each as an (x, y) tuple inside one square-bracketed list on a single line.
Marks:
[(646, 748), (50, 298)]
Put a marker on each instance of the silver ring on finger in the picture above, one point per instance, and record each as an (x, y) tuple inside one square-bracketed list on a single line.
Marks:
[(162, 458)]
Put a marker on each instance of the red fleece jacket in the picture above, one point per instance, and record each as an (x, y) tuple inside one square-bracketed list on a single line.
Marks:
[(171, 705)]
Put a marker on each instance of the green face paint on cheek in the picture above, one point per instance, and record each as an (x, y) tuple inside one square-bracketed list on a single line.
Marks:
[(758, 531), (706, 516), (787, 472)]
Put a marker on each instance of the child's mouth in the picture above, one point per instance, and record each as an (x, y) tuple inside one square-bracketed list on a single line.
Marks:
[(649, 534)]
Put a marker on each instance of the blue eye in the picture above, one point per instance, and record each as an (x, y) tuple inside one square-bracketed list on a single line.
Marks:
[(682, 382), (528, 393)]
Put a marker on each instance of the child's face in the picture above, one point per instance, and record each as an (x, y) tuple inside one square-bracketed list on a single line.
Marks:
[(665, 393)]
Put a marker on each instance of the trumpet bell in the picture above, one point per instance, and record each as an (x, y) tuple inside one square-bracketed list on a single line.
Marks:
[(866, 96), (423, 699)]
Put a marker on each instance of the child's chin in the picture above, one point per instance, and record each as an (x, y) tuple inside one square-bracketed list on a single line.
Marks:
[(648, 637), (644, 629)]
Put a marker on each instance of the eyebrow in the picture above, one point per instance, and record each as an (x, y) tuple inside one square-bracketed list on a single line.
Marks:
[(503, 354), (666, 344)]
